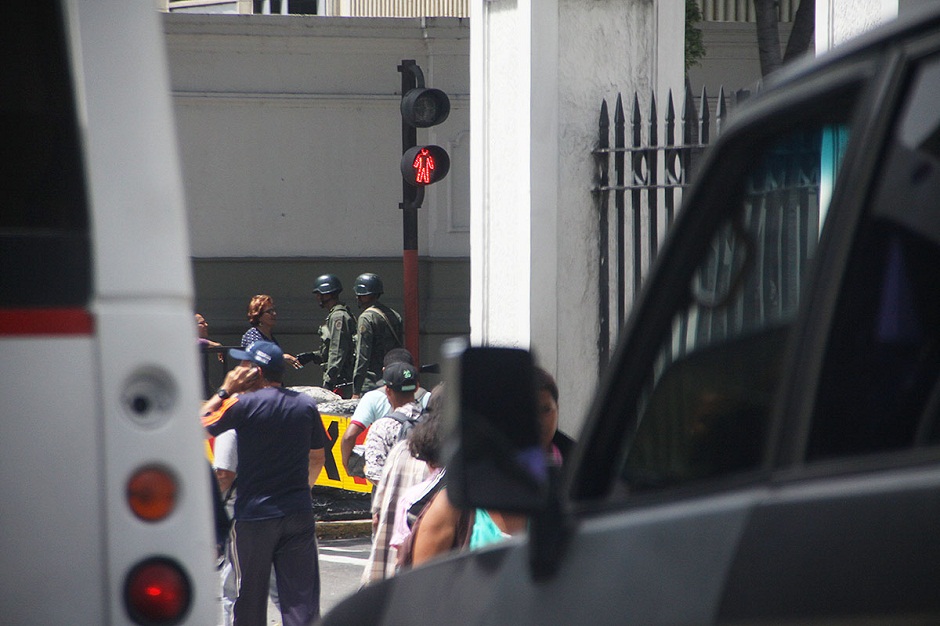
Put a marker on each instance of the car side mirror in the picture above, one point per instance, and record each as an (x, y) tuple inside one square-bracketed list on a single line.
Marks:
[(491, 430)]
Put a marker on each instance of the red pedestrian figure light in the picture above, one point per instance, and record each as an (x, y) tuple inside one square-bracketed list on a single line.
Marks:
[(423, 166)]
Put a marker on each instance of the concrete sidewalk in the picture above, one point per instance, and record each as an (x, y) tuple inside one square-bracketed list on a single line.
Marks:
[(344, 529)]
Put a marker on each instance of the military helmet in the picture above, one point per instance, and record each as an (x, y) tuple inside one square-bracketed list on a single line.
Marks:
[(328, 283), (368, 284)]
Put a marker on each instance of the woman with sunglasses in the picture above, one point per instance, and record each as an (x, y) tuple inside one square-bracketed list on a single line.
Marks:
[(263, 316)]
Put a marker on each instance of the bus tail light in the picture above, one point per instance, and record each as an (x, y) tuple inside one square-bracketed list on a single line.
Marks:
[(152, 493), (157, 593)]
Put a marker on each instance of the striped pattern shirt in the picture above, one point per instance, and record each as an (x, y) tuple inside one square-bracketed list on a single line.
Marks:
[(401, 472)]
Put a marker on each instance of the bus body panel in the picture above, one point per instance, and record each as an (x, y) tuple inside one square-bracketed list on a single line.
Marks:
[(85, 403), (53, 525), (161, 363), (131, 159)]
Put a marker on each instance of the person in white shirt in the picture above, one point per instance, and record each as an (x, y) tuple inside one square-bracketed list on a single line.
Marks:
[(373, 405)]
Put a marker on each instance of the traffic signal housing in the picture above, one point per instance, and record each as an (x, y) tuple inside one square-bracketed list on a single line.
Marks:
[(421, 107)]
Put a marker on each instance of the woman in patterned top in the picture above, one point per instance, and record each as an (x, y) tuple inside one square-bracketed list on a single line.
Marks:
[(263, 316)]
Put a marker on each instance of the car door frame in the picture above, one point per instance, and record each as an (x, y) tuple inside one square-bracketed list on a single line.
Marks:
[(601, 441), (854, 534)]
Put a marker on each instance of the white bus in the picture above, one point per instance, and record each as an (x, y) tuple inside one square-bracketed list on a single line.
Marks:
[(105, 509)]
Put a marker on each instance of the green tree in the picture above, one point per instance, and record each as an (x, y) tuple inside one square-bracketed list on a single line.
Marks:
[(694, 48)]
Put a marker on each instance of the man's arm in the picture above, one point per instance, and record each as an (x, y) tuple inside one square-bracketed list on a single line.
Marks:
[(334, 358), (225, 478), (348, 442), (315, 460), (226, 459), (435, 535)]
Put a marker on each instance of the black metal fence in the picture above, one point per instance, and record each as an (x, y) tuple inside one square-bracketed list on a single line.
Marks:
[(644, 181), (216, 362)]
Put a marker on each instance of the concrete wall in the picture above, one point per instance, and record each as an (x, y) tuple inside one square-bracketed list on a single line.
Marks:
[(290, 124), (839, 20), (290, 137)]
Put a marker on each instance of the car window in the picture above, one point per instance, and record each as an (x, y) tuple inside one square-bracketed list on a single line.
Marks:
[(879, 385), (44, 240), (706, 410)]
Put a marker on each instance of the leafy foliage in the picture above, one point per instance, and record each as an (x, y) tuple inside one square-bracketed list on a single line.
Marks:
[(694, 47)]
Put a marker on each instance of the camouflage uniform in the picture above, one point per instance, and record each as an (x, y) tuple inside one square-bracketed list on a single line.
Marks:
[(380, 330), (337, 351)]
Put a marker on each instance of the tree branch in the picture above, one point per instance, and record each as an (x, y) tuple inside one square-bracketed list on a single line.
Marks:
[(768, 36), (804, 27)]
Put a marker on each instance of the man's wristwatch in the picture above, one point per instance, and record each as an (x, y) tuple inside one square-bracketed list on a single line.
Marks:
[(222, 393)]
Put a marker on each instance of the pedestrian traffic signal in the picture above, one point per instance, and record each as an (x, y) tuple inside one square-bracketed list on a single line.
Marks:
[(424, 165), (421, 107)]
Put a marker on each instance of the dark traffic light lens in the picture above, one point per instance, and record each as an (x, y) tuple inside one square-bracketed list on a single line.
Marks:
[(423, 108)]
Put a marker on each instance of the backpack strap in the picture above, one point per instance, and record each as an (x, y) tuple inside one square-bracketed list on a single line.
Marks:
[(406, 423), (401, 418), (387, 322), (462, 534)]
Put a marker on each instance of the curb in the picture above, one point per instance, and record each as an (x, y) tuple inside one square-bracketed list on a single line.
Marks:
[(345, 529)]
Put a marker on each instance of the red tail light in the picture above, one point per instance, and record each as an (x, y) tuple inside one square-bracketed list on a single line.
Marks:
[(157, 593)]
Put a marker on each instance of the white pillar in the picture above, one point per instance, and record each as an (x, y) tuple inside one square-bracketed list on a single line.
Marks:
[(839, 20), (501, 143), (538, 72)]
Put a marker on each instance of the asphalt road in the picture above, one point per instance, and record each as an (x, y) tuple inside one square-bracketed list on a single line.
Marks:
[(341, 565)]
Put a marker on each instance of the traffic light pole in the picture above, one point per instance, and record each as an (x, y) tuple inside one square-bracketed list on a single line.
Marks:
[(411, 200)]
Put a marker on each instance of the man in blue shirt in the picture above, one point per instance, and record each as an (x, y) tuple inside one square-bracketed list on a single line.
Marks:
[(281, 444)]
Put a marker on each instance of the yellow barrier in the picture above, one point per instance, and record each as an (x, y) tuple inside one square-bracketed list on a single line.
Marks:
[(334, 474)]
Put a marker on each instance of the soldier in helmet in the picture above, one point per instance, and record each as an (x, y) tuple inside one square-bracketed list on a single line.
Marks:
[(379, 330), (336, 355)]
